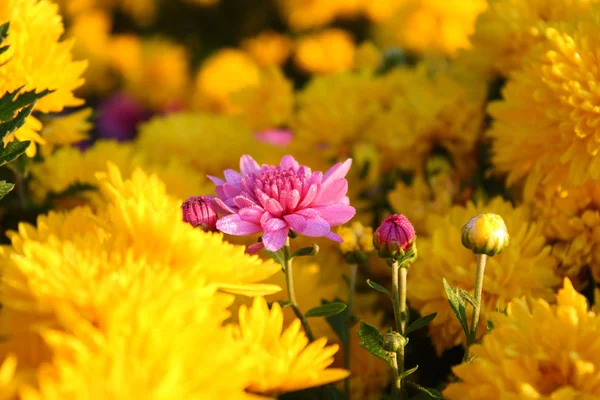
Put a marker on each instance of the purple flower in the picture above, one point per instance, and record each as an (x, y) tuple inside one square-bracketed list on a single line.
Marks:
[(119, 116), (199, 211), (274, 199), (276, 137), (394, 236)]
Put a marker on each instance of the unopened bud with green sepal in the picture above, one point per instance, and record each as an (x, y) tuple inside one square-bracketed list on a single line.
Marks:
[(393, 341), (485, 234)]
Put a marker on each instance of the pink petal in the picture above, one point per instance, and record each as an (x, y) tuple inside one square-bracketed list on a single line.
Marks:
[(248, 165), (252, 214), (221, 204), (231, 190), (290, 199), (234, 225), (289, 162), (336, 214), (274, 207), (316, 177), (335, 237), (233, 177), (216, 181), (333, 193), (296, 221), (242, 201), (275, 240), (274, 224), (220, 192), (316, 227), (304, 171), (338, 171), (255, 248), (310, 195)]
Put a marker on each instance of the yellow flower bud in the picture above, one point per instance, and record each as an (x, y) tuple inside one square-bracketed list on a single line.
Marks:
[(485, 234)]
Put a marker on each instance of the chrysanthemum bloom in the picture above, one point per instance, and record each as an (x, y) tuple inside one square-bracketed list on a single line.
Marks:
[(536, 351), (118, 117), (325, 52), (431, 26), (356, 237), (439, 109), (268, 48), (199, 211), (571, 220), (508, 29), (267, 105), (284, 360), (38, 60), (394, 236), (67, 130), (545, 129), (274, 199), (222, 74), (525, 268)]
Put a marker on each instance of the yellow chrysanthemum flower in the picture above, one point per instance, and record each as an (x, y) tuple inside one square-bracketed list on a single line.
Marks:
[(222, 74), (431, 26), (8, 384), (306, 14), (69, 166), (571, 220), (536, 351), (545, 129), (508, 29), (268, 105), (284, 360), (142, 11), (81, 262), (91, 32), (67, 129), (268, 48), (36, 58), (333, 111), (164, 138), (328, 51), (155, 70), (356, 237), (525, 268), (163, 338), (444, 110)]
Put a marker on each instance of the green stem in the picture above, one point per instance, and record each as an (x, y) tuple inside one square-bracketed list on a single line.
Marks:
[(289, 280), (351, 288), (481, 261), (399, 300), (397, 388)]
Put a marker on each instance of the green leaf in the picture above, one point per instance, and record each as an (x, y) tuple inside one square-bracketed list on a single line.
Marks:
[(8, 127), (5, 188), (420, 323), (490, 325), (12, 150), (425, 393), (457, 303), (378, 287), (326, 310), (11, 102), (371, 339), (468, 297), (4, 31), (408, 372), (307, 251), (284, 304), (340, 324), (277, 256)]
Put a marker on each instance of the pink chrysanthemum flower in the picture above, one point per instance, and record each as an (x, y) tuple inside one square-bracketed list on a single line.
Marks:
[(273, 199)]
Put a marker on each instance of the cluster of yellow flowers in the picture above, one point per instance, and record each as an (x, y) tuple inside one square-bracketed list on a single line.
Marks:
[(448, 109)]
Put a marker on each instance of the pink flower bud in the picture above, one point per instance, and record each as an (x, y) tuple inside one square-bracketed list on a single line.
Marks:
[(394, 237), (199, 211)]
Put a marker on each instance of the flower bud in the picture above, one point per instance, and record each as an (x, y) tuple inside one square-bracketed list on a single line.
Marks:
[(199, 211), (485, 234), (395, 238), (393, 341)]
